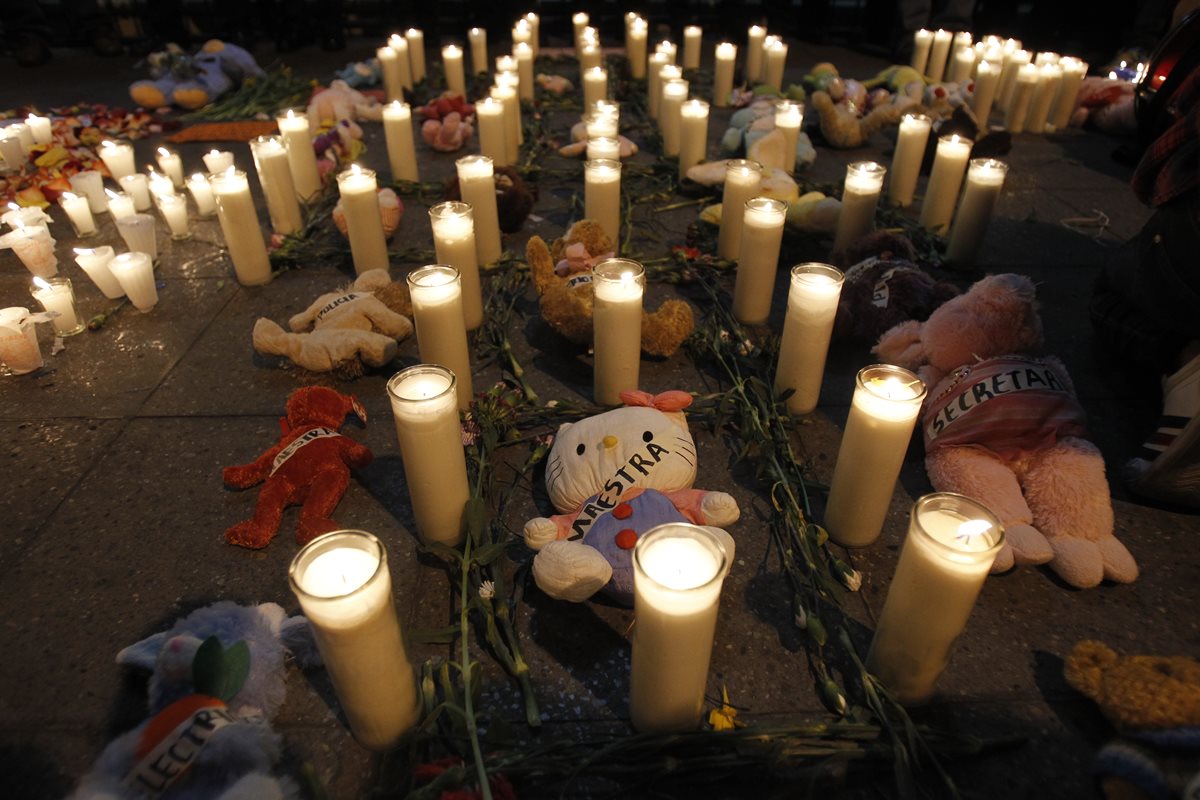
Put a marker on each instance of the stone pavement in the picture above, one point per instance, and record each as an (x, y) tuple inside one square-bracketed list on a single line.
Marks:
[(114, 508)]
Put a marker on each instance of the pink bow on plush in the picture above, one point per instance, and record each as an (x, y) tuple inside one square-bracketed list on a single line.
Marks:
[(578, 260), (672, 400)]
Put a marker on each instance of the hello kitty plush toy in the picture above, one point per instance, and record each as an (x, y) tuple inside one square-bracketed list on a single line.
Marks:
[(613, 477)]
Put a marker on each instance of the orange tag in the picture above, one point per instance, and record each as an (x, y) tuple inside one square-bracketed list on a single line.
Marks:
[(173, 739)]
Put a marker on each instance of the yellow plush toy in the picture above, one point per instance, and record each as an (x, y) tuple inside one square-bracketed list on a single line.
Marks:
[(1137, 692), (562, 277)]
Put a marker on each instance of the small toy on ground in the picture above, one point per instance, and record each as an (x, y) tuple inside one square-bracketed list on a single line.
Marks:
[(194, 81), (309, 465), (391, 210), (514, 198), (753, 130), (613, 477), (338, 102)]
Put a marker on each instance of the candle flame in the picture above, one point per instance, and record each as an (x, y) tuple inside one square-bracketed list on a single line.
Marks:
[(14, 206), (452, 50), (291, 113), (84, 251), (162, 151), (112, 195), (197, 177), (41, 283), (70, 196), (972, 528), (230, 171), (413, 32), (355, 169)]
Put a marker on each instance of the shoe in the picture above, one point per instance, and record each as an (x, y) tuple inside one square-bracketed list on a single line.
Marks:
[(1168, 468)]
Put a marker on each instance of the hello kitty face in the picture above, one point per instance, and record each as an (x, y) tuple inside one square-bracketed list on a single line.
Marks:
[(619, 449)]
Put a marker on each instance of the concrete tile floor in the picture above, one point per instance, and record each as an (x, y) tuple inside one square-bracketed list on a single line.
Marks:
[(114, 506)]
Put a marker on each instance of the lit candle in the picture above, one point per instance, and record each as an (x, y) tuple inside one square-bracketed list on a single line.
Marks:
[(754, 52), (18, 217), (654, 83), (860, 197), (812, 306), (39, 128), (77, 211), (217, 160), (579, 20), (603, 147), (789, 116), (57, 297), (922, 40), (12, 150), (21, 130), (617, 288), (725, 57), (301, 157), (393, 67), (416, 53), (535, 24), (775, 59), (693, 134), (360, 203), (160, 184), (668, 49), (1073, 74), (1013, 61), (883, 413), (275, 177), (1020, 98), (437, 301), (962, 65), (937, 55), (590, 56), (1049, 77), (1045, 58), (345, 590), (138, 231), (691, 47), (19, 348), (601, 124), (758, 258), (987, 80), (135, 272), (602, 196), (512, 121), (239, 224), (173, 208), (201, 192), (961, 39), (506, 63), (95, 264), (521, 32), (454, 242), (985, 179), (674, 92), (172, 165), (489, 114), (479, 54), (678, 570), (524, 55), (635, 48), (137, 186), (398, 136), (118, 157), (90, 183), (949, 166), (425, 407), (34, 246), (951, 544), (906, 161), (595, 86), (452, 64), (477, 184), (743, 181)]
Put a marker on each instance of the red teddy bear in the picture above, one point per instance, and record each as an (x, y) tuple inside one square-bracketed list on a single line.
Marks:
[(310, 465)]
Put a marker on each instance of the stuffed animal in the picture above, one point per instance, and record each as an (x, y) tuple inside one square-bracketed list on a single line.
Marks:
[(514, 198), (310, 464), (556, 84), (391, 209), (579, 139), (448, 134), (613, 477), (343, 331), (357, 74), (753, 129), (562, 277), (196, 81), (842, 126), (941, 99), (340, 101), (1105, 104), (1002, 425), (217, 679)]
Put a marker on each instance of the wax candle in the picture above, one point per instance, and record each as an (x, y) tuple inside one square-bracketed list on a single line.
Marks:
[(94, 262), (40, 129), (118, 158), (239, 224), (724, 57), (425, 406), (393, 67), (667, 48), (139, 234), (477, 184), (1073, 73), (758, 258), (743, 181), (754, 52), (906, 161), (19, 350), (987, 80), (937, 55), (1021, 97), (173, 208), (302, 158), (985, 179), (674, 92), (401, 146), (454, 242), (654, 83), (215, 161), (135, 272), (137, 186), (595, 86), (678, 570), (201, 192), (506, 63), (58, 298), (617, 288), (1049, 77), (90, 184), (511, 81), (962, 65), (883, 413), (416, 53), (812, 306), (635, 49), (437, 300), (360, 202), (31, 216), (600, 125), (489, 115), (520, 32), (1013, 62), (275, 177), (941, 194), (603, 147), (774, 61), (691, 47), (951, 544), (345, 590), (34, 246), (12, 150), (590, 56), (512, 121), (120, 204), (579, 21), (961, 39), (693, 134), (535, 24), (1045, 58), (602, 195), (160, 184), (452, 64), (922, 40), (22, 132), (524, 55), (860, 197), (77, 211), (789, 116), (479, 52), (172, 165)]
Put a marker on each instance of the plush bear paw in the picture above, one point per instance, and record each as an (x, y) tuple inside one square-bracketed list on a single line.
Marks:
[(248, 534), (720, 509), (571, 571), (1028, 544), (539, 532)]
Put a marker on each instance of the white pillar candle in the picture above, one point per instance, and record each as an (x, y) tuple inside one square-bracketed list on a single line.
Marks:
[(1045, 58), (906, 161), (1049, 77), (394, 69), (77, 211), (602, 196), (635, 49), (608, 109), (302, 158), (135, 272), (239, 224), (118, 157), (400, 142), (987, 80), (40, 129), (674, 92), (860, 197), (454, 242), (137, 186), (812, 307), (437, 301), (775, 59), (669, 49), (951, 544), (506, 63), (489, 115), (941, 194), (57, 297), (90, 183), (360, 203), (201, 192), (19, 350), (120, 204), (617, 288), (139, 232), (603, 147), (523, 53), (535, 36), (595, 86), (962, 65), (173, 208), (521, 32), (961, 39), (937, 55), (654, 83), (1020, 98), (425, 408), (789, 117), (590, 56), (479, 51), (724, 58), (743, 182), (579, 21), (922, 40), (512, 122), (985, 179), (1013, 61), (754, 52), (416, 54), (95, 263), (34, 246), (12, 151), (160, 184), (1074, 71), (600, 124), (171, 164), (477, 184), (883, 412), (22, 132), (345, 590), (758, 258), (403, 70), (693, 134), (678, 570), (452, 65), (275, 177), (691, 47)]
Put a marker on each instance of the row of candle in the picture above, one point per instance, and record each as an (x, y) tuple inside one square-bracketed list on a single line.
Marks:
[(18, 138)]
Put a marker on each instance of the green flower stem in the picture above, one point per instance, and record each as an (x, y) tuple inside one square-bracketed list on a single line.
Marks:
[(464, 624)]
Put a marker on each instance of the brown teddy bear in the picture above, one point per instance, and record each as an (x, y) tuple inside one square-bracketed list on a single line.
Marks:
[(562, 277), (346, 330), (843, 128)]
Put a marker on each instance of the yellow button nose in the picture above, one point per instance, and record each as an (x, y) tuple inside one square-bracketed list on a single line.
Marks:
[(609, 441)]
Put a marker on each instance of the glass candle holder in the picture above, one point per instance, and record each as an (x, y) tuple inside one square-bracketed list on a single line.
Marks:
[(985, 180), (120, 204), (137, 186), (758, 259), (275, 177), (79, 213), (617, 287), (118, 157), (603, 147), (239, 226), (401, 146), (171, 164), (437, 301), (19, 349), (173, 208), (812, 307), (477, 185), (217, 160), (906, 161), (860, 198), (34, 246), (743, 182), (138, 231), (789, 118), (453, 224), (693, 134), (90, 184), (602, 195), (201, 192), (135, 272), (95, 263), (58, 297)]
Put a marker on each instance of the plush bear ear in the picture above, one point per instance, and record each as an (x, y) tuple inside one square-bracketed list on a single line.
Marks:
[(143, 654), (902, 345)]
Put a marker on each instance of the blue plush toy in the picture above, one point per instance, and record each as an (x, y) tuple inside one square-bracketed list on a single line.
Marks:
[(196, 81)]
